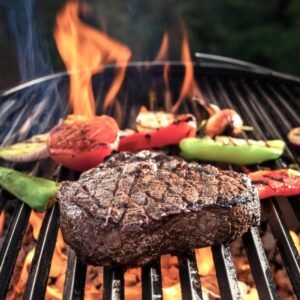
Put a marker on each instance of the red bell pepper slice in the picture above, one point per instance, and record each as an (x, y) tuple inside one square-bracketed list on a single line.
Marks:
[(284, 182), (184, 126)]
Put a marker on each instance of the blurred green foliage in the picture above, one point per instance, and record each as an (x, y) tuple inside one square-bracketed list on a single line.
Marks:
[(263, 32)]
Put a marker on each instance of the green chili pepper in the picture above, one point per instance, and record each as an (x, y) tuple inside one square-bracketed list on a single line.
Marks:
[(231, 150), (38, 193)]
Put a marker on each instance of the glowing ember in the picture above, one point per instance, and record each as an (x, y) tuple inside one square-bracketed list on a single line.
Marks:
[(296, 240), (35, 221), (53, 293), (2, 223), (20, 286), (173, 292), (59, 259), (84, 51), (253, 295), (205, 261)]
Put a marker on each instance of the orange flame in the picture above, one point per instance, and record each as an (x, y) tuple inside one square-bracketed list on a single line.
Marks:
[(162, 54), (35, 221), (189, 72), (189, 87), (20, 286), (84, 51)]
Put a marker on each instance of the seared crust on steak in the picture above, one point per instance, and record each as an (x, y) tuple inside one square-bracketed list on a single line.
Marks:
[(135, 207)]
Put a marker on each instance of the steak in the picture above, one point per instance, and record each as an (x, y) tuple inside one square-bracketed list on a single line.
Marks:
[(133, 208)]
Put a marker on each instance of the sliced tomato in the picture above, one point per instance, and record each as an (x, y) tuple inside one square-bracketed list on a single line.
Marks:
[(184, 126), (80, 144)]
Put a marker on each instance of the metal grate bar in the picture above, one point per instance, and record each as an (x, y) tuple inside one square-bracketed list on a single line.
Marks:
[(189, 277), (284, 242), (259, 265), (74, 284), (151, 279), (2, 201), (75, 278), (226, 273), (293, 116), (12, 243), (260, 113), (268, 101), (208, 90), (260, 269), (267, 284), (295, 204), (288, 92), (38, 276), (113, 288)]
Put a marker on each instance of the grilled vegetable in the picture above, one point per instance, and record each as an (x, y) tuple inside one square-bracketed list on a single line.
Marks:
[(32, 149), (148, 121), (231, 150), (184, 126), (38, 193), (284, 182), (294, 137), (81, 143), (224, 120)]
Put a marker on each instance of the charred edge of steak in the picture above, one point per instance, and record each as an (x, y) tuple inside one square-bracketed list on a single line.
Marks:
[(135, 207)]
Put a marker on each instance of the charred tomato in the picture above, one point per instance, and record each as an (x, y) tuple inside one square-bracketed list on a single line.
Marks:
[(80, 144)]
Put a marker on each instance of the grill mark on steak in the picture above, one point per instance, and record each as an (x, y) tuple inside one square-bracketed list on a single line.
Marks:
[(85, 209), (137, 175), (135, 207), (85, 190)]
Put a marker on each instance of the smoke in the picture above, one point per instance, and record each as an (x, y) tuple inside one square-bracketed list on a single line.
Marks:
[(36, 106), (32, 51)]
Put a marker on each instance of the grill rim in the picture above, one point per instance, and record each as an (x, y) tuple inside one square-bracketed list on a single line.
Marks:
[(208, 64)]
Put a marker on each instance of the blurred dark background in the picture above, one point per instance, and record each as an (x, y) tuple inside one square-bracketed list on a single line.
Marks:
[(262, 32)]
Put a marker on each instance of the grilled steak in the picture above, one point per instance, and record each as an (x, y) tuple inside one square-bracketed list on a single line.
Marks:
[(135, 207)]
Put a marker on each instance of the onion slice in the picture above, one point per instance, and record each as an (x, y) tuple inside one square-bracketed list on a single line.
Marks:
[(34, 148), (294, 137)]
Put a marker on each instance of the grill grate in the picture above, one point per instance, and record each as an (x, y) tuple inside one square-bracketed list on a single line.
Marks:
[(267, 101)]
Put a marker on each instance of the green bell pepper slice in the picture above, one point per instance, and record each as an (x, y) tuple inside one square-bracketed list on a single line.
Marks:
[(36, 192), (231, 150)]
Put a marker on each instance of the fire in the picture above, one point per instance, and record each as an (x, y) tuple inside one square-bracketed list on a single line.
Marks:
[(24, 273), (84, 51), (252, 295), (2, 223), (35, 221), (189, 87), (172, 292), (205, 261), (296, 240), (189, 71), (59, 259), (162, 54)]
